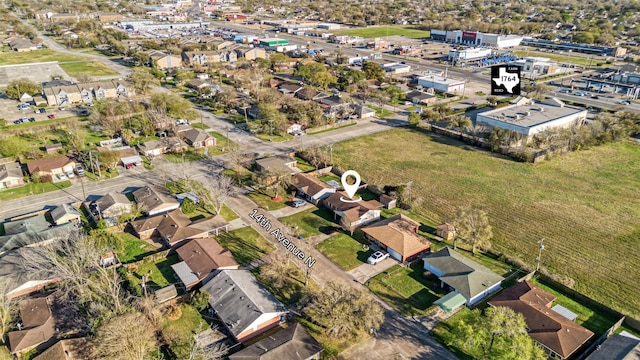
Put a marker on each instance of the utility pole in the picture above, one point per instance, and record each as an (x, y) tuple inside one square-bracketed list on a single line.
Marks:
[(540, 248)]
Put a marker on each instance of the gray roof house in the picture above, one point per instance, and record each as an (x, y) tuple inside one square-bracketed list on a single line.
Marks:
[(617, 347), (31, 231), (65, 213), (20, 280), (243, 305), (155, 200), (292, 343), (467, 277), (111, 205)]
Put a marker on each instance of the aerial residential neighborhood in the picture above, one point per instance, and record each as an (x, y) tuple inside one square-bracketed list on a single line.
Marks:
[(319, 180)]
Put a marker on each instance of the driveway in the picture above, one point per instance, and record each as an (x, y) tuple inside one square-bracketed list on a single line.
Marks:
[(365, 272)]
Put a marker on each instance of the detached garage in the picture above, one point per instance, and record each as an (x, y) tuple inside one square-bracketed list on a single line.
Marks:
[(131, 161)]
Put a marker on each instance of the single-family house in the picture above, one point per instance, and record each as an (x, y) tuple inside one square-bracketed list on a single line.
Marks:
[(198, 138), (617, 347), (21, 281), (473, 281), (43, 318), (335, 106), (398, 235), (312, 188), (292, 343), (306, 94), (155, 200), (557, 334), (446, 231), (278, 165), (67, 349), (65, 213), (110, 205), (288, 88), (22, 45), (169, 144), (200, 257), (51, 166), (419, 97), (31, 231), (364, 112), (10, 174), (242, 304), (352, 214), (174, 227)]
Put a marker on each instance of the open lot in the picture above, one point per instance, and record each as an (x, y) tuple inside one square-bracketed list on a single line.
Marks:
[(345, 251), (245, 244), (91, 68), (382, 31), (312, 222), (35, 72), (585, 204), (36, 56)]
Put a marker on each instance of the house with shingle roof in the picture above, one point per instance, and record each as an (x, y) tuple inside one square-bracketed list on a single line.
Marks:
[(65, 213), (155, 200), (617, 347), (51, 166), (67, 349), (10, 174), (352, 214), (200, 257), (31, 231), (288, 88), (472, 280), (292, 343), (398, 235), (174, 227), (198, 138), (312, 188), (558, 335), (243, 305)]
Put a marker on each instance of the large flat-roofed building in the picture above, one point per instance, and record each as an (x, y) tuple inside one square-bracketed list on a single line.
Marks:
[(573, 47), (476, 38), (441, 84), (529, 118)]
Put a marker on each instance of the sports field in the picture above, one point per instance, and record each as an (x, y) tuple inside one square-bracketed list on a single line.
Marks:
[(374, 32), (586, 205)]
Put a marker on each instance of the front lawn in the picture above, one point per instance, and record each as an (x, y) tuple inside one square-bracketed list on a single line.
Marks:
[(187, 156), (274, 137), (32, 189), (180, 332), (264, 200), (332, 345), (381, 112), (314, 221), (228, 214), (345, 251), (406, 289), (442, 332), (223, 144), (293, 290), (246, 244)]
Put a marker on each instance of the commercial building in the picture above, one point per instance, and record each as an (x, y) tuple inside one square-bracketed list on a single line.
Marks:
[(395, 68), (273, 42), (441, 84), (456, 56), (572, 47), (533, 67), (476, 38), (529, 118)]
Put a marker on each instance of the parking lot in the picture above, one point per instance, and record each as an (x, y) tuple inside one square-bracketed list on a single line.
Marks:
[(10, 112)]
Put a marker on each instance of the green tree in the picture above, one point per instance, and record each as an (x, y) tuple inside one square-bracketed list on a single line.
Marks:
[(343, 309), (459, 122), (17, 87), (414, 119), (472, 227), (109, 159), (373, 71), (188, 206), (142, 81), (200, 300)]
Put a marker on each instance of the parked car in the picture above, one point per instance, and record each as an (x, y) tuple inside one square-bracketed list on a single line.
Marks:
[(70, 174), (42, 110), (377, 257), (62, 177), (32, 119), (51, 116), (17, 122), (298, 203), (61, 108), (79, 170), (623, 102)]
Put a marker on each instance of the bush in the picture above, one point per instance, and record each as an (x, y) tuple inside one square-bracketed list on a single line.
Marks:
[(200, 300), (173, 312), (188, 206), (129, 282)]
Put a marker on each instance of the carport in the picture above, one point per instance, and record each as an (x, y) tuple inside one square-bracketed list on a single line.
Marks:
[(130, 161), (451, 301)]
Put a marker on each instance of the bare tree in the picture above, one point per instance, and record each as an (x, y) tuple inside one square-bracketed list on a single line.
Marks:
[(472, 226), (8, 308), (75, 260), (220, 189), (277, 270), (210, 352), (239, 159), (130, 336)]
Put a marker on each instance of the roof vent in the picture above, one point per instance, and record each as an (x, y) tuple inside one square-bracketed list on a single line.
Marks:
[(541, 109)]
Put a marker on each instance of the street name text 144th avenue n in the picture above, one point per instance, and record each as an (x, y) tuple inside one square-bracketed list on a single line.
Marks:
[(279, 236)]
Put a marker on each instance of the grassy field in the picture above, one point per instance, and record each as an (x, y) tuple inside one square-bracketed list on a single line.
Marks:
[(133, 248), (381, 112), (35, 56), (443, 334), (31, 189), (263, 199), (586, 204), (333, 345), (91, 68), (312, 222), (345, 251), (570, 58), (406, 289), (160, 272), (374, 32), (180, 332), (245, 244), (293, 290)]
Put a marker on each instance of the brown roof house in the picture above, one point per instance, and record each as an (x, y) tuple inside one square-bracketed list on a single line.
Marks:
[(292, 343), (155, 200), (198, 138), (162, 60), (560, 336), (51, 166), (10, 174), (42, 319), (398, 236), (200, 257), (470, 279), (243, 305), (174, 227), (312, 188), (67, 349), (352, 214)]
